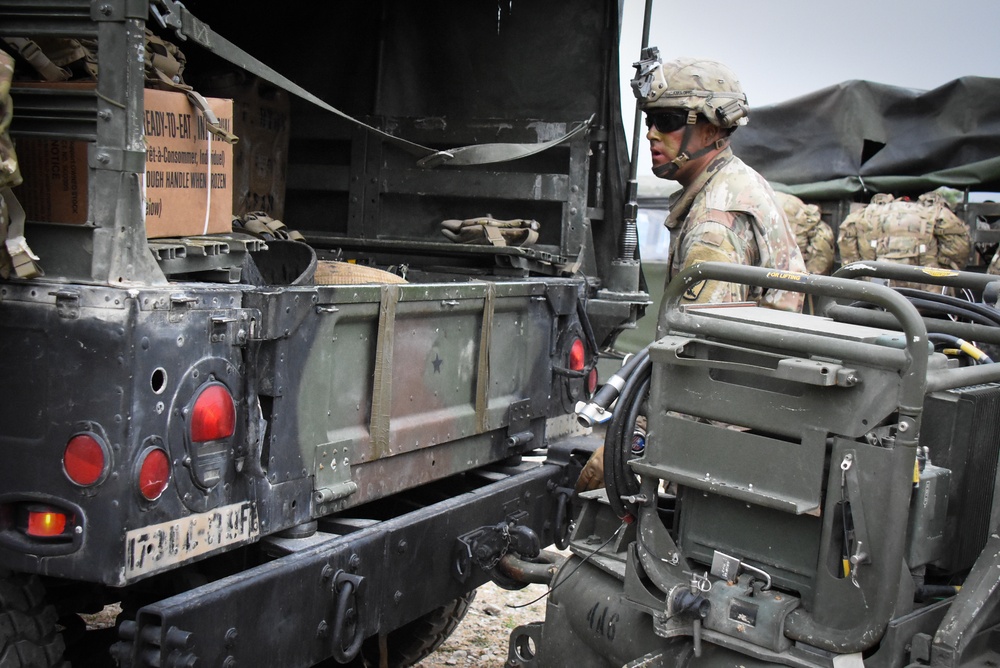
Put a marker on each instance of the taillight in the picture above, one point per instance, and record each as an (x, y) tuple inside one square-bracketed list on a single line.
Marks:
[(154, 473), (592, 381), (85, 459), (45, 523), (40, 521), (577, 356), (213, 416)]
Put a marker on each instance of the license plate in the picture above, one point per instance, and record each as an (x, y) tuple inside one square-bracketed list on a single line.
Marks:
[(160, 546)]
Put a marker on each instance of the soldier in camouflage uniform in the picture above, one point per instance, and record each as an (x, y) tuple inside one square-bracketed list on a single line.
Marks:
[(924, 233), (726, 212), (813, 236)]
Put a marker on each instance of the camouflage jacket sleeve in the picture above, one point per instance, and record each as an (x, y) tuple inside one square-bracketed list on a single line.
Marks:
[(953, 239)]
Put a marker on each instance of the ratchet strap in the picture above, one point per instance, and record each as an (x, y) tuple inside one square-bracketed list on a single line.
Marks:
[(174, 15)]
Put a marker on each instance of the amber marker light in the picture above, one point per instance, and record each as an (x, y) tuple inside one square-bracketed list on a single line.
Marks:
[(45, 523)]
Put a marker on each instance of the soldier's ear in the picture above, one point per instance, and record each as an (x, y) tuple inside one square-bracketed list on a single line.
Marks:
[(710, 133)]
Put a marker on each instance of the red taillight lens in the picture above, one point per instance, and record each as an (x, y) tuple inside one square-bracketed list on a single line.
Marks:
[(45, 523), (154, 474), (577, 356), (84, 459), (592, 381), (214, 415)]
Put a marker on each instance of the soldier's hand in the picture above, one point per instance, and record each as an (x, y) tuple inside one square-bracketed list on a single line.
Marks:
[(592, 475)]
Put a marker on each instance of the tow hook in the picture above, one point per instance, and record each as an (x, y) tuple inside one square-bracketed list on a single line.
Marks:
[(349, 590), (486, 546)]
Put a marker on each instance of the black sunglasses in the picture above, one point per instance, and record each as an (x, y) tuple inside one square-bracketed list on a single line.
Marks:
[(667, 121)]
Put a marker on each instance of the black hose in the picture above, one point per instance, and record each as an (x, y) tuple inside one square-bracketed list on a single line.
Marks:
[(927, 305), (588, 330), (609, 391), (977, 356), (982, 309), (618, 480)]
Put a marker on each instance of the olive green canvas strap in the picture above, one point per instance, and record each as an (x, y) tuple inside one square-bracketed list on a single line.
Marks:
[(31, 52)]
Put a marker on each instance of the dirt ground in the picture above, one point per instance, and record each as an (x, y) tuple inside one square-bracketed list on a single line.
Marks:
[(481, 639)]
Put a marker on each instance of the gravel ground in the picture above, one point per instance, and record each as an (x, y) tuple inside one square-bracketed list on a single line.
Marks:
[(481, 639)]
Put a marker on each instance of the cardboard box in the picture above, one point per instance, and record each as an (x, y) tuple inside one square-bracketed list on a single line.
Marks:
[(188, 180), (261, 114), (54, 186)]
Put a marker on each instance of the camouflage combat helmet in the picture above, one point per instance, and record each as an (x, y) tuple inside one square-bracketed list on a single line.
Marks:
[(703, 86)]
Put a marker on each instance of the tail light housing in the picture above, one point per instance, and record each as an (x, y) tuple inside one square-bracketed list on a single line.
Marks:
[(153, 473), (578, 362), (211, 424), (86, 459), (577, 355), (213, 415)]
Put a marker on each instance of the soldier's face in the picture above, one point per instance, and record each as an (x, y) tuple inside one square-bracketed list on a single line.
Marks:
[(665, 146)]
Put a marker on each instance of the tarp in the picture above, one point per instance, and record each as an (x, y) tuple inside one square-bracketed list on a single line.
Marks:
[(865, 137)]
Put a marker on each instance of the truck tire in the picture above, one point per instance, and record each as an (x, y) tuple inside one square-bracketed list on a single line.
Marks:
[(28, 633), (413, 642)]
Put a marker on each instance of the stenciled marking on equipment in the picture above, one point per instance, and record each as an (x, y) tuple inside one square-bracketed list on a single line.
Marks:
[(602, 623), (160, 546)]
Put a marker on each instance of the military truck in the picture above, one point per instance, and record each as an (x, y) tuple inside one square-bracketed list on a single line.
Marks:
[(812, 490), (310, 441)]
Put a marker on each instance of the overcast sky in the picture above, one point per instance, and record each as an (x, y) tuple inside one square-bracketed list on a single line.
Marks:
[(781, 49)]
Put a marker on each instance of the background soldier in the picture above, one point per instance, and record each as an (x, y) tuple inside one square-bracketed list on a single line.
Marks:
[(924, 233), (814, 237)]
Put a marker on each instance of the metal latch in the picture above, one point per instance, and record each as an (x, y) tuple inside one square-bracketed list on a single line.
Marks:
[(67, 303), (181, 299), (220, 327)]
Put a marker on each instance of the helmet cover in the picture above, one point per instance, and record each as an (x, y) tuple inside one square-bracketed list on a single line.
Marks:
[(704, 86)]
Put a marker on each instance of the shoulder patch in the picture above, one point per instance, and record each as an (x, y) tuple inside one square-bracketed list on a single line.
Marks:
[(694, 291)]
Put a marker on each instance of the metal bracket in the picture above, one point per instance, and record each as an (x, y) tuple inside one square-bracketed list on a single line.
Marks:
[(519, 415)]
